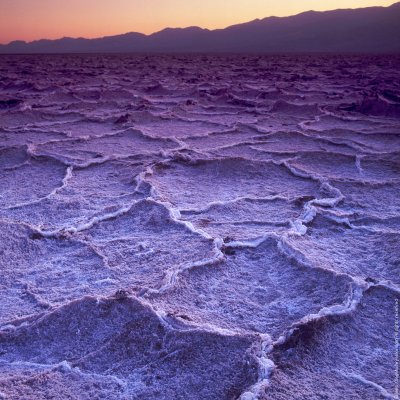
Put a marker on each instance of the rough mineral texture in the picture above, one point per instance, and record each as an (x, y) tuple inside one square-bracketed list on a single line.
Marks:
[(199, 227)]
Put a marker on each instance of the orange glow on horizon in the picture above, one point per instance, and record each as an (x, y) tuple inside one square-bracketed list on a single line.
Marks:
[(36, 19)]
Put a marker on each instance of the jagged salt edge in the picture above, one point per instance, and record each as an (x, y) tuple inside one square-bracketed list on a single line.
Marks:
[(267, 366), (212, 204), (310, 211), (265, 369), (171, 275), (369, 383), (64, 367), (95, 220), (64, 183)]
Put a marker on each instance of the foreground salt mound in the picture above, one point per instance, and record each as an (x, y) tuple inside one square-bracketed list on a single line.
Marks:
[(147, 246), (21, 178), (136, 354), (373, 255), (37, 271), (278, 290), (78, 200), (147, 242), (361, 345), (41, 382)]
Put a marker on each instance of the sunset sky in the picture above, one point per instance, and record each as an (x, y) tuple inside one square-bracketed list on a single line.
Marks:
[(34, 19)]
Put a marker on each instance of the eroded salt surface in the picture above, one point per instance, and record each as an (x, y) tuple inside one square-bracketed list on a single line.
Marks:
[(199, 227)]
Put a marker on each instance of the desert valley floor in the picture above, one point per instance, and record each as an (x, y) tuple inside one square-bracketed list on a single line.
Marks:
[(199, 227)]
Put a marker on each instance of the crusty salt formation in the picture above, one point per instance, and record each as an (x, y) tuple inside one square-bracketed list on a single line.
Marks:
[(199, 227)]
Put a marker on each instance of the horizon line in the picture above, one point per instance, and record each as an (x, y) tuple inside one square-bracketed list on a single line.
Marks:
[(188, 27)]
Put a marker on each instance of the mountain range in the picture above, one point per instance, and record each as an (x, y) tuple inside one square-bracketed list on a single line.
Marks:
[(362, 30)]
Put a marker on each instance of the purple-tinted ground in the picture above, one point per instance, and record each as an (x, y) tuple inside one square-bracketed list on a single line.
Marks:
[(199, 227)]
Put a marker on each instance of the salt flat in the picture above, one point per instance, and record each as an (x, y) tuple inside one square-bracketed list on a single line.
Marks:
[(199, 226)]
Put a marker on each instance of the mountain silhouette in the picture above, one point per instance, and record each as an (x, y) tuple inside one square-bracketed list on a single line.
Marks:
[(363, 30)]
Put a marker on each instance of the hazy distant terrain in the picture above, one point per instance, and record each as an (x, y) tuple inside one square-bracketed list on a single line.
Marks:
[(199, 227), (364, 30)]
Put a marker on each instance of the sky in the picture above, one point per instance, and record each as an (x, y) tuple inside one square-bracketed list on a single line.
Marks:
[(36, 19)]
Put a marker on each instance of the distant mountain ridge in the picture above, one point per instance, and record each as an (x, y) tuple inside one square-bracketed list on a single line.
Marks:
[(362, 30)]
